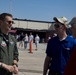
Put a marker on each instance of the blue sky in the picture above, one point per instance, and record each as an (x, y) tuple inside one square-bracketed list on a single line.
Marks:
[(41, 10)]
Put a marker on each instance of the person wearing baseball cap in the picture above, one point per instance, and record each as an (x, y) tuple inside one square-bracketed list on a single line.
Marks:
[(70, 68), (58, 48), (62, 20)]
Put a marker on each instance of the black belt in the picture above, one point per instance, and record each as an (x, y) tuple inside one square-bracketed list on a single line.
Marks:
[(54, 73)]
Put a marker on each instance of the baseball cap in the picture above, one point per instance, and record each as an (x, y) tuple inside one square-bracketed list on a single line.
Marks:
[(73, 21), (62, 20)]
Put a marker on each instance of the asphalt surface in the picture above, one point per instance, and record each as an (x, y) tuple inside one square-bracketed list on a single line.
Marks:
[(31, 63)]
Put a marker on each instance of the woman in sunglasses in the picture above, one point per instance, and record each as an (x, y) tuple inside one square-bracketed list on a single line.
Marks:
[(70, 68), (8, 47), (59, 49)]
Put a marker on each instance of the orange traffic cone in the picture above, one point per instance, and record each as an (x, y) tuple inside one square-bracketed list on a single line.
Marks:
[(30, 47)]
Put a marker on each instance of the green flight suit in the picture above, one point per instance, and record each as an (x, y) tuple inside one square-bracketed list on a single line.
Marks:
[(8, 50)]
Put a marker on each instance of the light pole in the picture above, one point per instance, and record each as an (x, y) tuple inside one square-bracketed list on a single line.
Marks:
[(10, 6)]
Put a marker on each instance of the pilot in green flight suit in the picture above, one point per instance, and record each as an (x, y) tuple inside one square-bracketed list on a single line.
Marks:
[(8, 47)]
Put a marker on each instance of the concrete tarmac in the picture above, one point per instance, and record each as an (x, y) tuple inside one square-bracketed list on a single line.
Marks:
[(31, 63)]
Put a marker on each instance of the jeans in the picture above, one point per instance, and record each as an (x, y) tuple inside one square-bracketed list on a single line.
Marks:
[(25, 44)]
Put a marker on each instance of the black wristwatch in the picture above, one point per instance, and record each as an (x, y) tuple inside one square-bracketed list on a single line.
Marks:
[(16, 64)]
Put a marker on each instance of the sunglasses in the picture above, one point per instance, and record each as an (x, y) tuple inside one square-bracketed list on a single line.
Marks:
[(57, 25), (9, 22)]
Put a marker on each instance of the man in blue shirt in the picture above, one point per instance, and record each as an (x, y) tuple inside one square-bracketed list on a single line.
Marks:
[(59, 49)]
